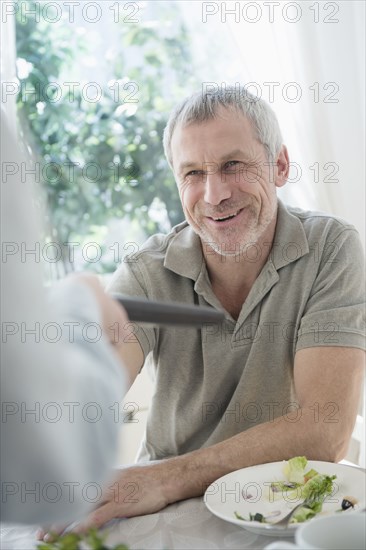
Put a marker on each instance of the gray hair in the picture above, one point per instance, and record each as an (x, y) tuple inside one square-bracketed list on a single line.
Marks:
[(203, 106)]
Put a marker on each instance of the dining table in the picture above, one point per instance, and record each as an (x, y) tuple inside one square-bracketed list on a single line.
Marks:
[(186, 524)]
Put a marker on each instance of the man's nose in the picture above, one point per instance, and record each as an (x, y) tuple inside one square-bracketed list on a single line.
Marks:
[(217, 188)]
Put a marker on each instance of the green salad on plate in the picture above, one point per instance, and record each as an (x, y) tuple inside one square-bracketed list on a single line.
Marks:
[(300, 483)]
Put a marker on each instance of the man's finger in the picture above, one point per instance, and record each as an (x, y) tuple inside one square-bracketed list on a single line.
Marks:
[(41, 533), (99, 517), (47, 533)]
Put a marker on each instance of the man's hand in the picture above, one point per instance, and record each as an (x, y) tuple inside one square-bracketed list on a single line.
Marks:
[(136, 491)]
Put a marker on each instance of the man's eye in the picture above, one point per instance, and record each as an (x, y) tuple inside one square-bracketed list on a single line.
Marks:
[(194, 173), (233, 166)]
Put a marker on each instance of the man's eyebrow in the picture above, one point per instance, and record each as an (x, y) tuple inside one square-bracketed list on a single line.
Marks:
[(185, 165), (236, 154)]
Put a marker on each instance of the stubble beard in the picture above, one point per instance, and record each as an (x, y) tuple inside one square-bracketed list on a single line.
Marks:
[(231, 244)]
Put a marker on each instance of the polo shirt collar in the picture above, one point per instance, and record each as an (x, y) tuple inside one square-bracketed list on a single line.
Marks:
[(290, 242), (184, 253)]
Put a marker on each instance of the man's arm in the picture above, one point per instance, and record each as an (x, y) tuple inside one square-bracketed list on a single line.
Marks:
[(328, 381)]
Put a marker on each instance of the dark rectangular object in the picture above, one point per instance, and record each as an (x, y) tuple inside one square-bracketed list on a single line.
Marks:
[(168, 313)]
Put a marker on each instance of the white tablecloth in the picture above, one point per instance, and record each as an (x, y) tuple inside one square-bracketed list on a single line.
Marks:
[(186, 524)]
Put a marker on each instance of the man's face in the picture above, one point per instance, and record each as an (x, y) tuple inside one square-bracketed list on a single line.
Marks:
[(225, 182)]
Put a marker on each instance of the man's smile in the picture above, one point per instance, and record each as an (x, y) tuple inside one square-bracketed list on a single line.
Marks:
[(225, 219)]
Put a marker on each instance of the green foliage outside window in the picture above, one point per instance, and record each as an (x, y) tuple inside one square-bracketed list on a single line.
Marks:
[(118, 139)]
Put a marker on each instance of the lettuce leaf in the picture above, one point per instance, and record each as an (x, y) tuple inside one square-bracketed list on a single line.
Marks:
[(294, 469)]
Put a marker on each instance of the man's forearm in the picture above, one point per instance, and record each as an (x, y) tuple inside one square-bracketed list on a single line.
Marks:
[(189, 475), (147, 488)]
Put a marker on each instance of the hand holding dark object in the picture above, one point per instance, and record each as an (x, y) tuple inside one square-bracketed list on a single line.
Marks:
[(115, 325), (118, 312)]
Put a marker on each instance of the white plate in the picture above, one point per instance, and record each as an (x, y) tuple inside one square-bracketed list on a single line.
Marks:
[(248, 491)]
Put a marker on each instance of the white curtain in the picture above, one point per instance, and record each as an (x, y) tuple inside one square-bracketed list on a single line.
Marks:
[(320, 55)]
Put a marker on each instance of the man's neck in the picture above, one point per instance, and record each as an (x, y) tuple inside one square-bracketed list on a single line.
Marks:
[(232, 277)]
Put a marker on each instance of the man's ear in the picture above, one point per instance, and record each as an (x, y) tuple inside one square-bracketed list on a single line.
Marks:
[(282, 168)]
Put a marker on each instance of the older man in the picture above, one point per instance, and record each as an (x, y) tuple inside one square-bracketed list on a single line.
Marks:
[(282, 377)]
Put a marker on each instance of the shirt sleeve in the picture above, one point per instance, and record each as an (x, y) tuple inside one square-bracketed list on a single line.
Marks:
[(335, 311)]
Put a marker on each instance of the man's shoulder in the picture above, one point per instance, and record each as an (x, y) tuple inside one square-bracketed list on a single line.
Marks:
[(158, 244), (317, 221), (149, 270), (306, 230)]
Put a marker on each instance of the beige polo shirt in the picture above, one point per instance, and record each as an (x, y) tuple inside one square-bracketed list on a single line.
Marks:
[(214, 382)]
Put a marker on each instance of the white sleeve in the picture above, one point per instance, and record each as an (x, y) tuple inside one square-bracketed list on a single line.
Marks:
[(60, 379)]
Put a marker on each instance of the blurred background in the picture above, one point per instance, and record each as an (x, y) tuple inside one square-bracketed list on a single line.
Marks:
[(92, 85)]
